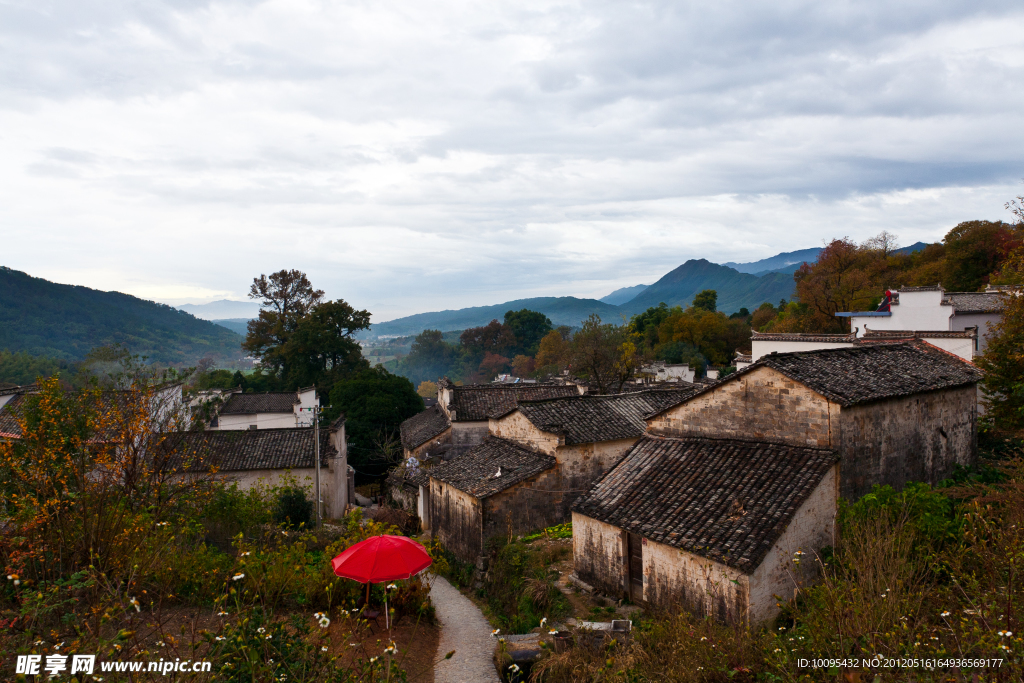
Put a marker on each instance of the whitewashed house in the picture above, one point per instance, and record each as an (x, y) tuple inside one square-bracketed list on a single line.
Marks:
[(280, 410)]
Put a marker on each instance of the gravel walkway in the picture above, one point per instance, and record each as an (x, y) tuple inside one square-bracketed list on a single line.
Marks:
[(463, 629)]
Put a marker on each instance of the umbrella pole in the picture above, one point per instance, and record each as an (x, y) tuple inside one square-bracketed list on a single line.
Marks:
[(367, 605)]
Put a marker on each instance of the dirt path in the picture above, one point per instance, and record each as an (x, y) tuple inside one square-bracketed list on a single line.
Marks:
[(465, 630)]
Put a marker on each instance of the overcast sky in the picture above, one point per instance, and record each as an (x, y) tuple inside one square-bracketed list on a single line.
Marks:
[(414, 156)]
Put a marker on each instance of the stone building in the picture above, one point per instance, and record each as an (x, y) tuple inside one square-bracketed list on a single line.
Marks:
[(585, 434), (894, 412), (496, 488), (270, 457), (710, 524), (467, 407), (265, 411), (579, 437)]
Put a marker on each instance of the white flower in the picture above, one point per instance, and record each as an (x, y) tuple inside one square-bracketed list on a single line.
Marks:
[(778, 650), (391, 649), (495, 632), (261, 630), (268, 637), (944, 614), (553, 632), (372, 660), (17, 582), (317, 615), (160, 643), (10, 577), (220, 638), (514, 668), (543, 621), (324, 622), (323, 649), (270, 660), (134, 602), (222, 614), (703, 639), (391, 586), (246, 553), (782, 628), (238, 577)]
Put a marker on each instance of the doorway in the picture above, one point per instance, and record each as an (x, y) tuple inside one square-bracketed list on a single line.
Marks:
[(635, 567)]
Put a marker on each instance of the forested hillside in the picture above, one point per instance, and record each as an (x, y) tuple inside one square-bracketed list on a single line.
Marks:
[(65, 322)]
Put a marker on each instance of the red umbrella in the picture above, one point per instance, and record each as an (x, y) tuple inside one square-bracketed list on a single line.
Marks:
[(379, 559)]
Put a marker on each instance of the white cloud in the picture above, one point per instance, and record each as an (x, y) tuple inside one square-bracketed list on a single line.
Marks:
[(419, 156)]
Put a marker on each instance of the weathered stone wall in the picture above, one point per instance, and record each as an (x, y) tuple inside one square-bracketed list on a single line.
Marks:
[(528, 506), (583, 464), (429, 447), (515, 427), (598, 554), (811, 529), (407, 498), (763, 404), (916, 438), (674, 577), (456, 519), (465, 435)]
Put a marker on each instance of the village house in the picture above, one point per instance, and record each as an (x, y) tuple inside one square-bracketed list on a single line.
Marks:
[(934, 309), (963, 343), (271, 457), (713, 525), (577, 439), (467, 407), (894, 412), (280, 410), (662, 371)]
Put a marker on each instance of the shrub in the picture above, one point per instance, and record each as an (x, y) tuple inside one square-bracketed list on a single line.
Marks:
[(293, 509)]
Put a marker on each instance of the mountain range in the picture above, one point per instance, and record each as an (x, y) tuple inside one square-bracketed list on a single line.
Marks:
[(44, 318)]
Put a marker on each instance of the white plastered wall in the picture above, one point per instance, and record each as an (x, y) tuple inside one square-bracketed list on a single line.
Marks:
[(915, 311), (761, 348)]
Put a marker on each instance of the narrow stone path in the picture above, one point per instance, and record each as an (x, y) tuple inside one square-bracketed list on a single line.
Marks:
[(465, 630)]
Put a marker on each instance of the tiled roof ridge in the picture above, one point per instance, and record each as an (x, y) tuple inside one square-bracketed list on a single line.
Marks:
[(695, 436), (918, 334), (754, 334)]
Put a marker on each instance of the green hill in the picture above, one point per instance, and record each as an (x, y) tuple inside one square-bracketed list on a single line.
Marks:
[(44, 318), (735, 290), (562, 310)]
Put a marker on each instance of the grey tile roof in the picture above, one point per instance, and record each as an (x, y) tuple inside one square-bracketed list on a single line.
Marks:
[(248, 449), (414, 478), (724, 499), (802, 337), (474, 472), (976, 302), (870, 335), (868, 372), (587, 419), (15, 389), (248, 404), (423, 427), (475, 402)]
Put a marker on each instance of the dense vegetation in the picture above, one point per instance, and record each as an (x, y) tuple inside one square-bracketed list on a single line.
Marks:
[(65, 322), (106, 542)]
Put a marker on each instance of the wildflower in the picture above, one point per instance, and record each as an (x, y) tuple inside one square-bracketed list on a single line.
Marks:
[(391, 649), (268, 637), (220, 638), (222, 614), (543, 621), (778, 649), (703, 639), (246, 553), (323, 649), (261, 630), (552, 632), (514, 668), (495, 632), (270, 660), (353, 644), (160, 643), (238, 577), (372, 660), (782, 628), (392, 587), (944, 614), (324, 622)]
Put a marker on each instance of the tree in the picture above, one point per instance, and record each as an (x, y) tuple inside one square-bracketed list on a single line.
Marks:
[(1003, 361), (430, 357), (491, 338), (836, 283), (604, 354), (322, 348), (974, 249), (374, 402), (492, 364), (285, 297), (529, 327), (884, 242), (427, 389), (552, 351), (706, 300), (523, 366)]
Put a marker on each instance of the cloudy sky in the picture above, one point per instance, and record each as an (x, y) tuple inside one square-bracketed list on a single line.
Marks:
[(414, 156)]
